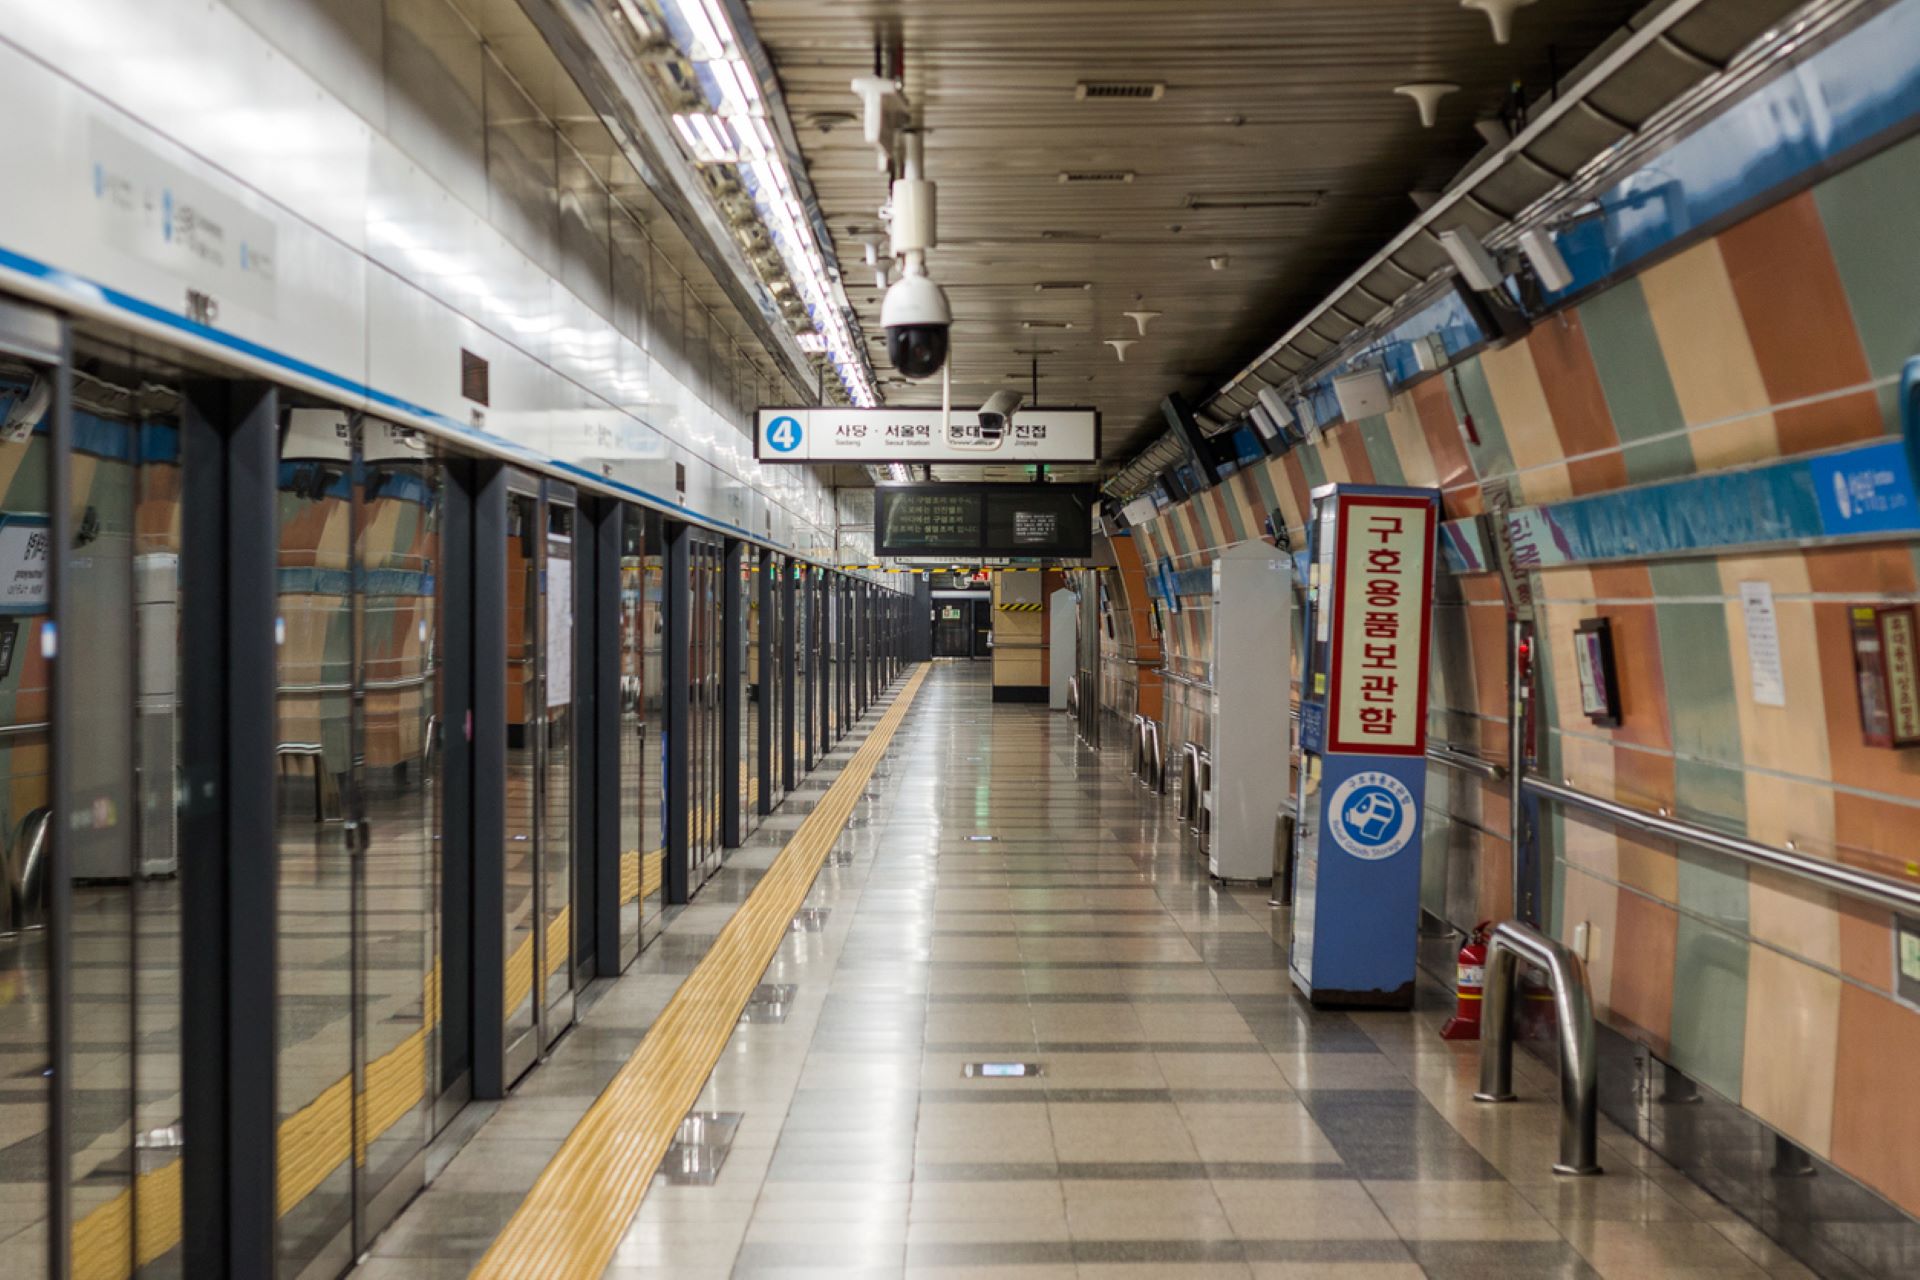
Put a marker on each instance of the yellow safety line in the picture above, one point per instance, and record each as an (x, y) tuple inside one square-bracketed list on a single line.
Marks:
[(572, 1220)]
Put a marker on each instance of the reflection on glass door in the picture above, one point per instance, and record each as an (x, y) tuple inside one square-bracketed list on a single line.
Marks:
[(538, 907), (803, 681), (704, 700), (522, 799), (315, 751), (397, 545), (555, 844), (26, 397), (358, 821), (642, 841), (653, 725)]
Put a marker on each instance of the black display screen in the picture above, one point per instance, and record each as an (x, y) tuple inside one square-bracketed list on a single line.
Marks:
[(1040, 521), (916, 519)]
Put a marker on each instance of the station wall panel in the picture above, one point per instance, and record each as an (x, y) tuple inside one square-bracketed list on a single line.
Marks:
[(1783, 334)]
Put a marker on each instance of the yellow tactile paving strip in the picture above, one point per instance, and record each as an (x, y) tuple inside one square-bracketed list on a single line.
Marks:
[(572, 1220)]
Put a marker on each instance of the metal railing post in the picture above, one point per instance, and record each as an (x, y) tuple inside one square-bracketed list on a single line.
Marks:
[(1510, 942)]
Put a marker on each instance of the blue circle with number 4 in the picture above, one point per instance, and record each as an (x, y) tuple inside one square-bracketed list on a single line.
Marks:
[(783, 433)]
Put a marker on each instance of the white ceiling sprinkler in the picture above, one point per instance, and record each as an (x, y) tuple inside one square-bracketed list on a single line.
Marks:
[(1120, 346), (1499, 13), (1141, 318), (1426, 95)]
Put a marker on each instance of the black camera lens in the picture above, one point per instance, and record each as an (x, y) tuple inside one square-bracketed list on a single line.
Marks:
[(917, 350)]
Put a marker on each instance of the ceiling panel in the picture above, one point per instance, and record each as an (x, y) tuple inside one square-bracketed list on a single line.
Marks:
[(1277, 149)]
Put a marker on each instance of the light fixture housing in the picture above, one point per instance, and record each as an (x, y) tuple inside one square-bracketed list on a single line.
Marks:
[(1276, 408), (1471, 259), (1426, 95), (1549, 264)]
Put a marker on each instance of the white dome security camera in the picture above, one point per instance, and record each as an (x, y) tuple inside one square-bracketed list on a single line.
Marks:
[(917, 320)]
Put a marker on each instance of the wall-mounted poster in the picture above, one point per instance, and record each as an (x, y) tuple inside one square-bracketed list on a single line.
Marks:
[(1593, 658)]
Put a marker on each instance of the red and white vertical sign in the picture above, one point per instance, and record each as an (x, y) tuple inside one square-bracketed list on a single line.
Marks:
[(1382, 626)]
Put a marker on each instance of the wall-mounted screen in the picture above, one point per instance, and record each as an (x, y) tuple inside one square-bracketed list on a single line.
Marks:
[(1037, 521)]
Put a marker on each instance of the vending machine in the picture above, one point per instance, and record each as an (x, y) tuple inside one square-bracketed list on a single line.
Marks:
[(1360, 801)]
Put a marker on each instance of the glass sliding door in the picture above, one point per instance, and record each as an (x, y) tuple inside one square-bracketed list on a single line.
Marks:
[(747, 672), (26, 1107), (803, 671), (642, 837), (316, 716), (633, 727), (538, 907), (360, 512), (555, 844), (653, 725), (398, 516)]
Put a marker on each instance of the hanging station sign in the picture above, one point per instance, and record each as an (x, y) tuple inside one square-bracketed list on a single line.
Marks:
[(878, 436)]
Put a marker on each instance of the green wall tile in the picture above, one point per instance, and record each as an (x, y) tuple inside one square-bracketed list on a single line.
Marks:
[(1471, 394), (1710, 1005), (1869, 215), (1633, 374), (1711, 885), (1380, 451), (1310, 464), (1696, 661)]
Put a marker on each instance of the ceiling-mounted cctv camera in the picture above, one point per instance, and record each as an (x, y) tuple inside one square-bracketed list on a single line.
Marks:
[(917, 319), (996, 415)]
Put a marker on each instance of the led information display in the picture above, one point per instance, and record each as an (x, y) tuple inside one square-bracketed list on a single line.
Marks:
[(1031, 520)]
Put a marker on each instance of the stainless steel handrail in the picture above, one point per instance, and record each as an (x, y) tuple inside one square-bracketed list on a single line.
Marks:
[(370, 686), (1189, 681), (36, 726), (1867, 886), (1449, 755), (1465, 761), (1573, 1012)]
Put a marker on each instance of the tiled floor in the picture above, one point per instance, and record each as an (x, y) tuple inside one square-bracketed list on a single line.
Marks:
[(1194, 1118)]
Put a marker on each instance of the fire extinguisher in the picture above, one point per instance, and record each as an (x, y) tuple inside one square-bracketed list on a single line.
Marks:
[(1471, 980)]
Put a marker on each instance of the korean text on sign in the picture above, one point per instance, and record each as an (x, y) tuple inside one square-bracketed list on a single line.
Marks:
[(1382, 632)]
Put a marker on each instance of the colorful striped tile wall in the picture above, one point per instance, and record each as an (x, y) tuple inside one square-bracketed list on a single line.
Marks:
[(1783, 334)]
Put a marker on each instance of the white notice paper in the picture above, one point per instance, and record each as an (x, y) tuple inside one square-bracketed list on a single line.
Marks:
[(1763, 644)]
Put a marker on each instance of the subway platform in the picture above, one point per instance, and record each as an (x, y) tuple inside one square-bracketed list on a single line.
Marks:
[(1013, 1029)]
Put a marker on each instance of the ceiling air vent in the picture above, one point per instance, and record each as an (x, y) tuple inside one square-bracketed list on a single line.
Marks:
[(1257, 200), (1123, 90), (1046, 324), (1062, 286), (1096, 175)]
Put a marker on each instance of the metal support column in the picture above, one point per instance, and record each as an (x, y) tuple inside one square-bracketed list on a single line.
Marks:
[(789, 671), (228, 558), (487, 744), (598, 629), (767, 715), (458, 617), (733, 651)]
